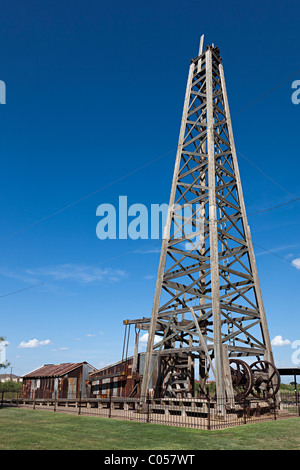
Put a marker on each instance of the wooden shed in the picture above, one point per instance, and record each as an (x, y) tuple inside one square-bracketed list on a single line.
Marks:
[(66, 380), (122, 379)]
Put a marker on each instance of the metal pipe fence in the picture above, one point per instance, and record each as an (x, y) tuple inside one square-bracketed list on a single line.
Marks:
[(202, 413)]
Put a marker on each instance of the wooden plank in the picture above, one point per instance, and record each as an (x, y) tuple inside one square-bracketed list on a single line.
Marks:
[(202, 342), (227, 374), (180, 351), (213, 232)]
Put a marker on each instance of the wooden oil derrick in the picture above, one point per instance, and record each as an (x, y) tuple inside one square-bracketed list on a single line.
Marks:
[(207, 304)]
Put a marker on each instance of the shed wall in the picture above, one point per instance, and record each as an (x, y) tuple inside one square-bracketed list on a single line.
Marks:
[(70, 385)]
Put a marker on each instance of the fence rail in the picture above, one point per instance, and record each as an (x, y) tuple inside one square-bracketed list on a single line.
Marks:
[(202, 413)]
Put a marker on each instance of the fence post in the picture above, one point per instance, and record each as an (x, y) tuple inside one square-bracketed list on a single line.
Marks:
[(55, 400), (148, 403), (2, 398), (79, 403), (208, 411), (34, 399), (109, 413), (274, 400), (245, 411)]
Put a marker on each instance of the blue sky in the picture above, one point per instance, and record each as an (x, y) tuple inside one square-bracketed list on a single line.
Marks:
[(94, 93)]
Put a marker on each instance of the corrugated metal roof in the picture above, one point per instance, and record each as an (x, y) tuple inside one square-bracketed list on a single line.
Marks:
[(54, 370), (111, 365)]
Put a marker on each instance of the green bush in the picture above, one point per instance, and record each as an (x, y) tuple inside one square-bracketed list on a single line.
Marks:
[(10, 386)]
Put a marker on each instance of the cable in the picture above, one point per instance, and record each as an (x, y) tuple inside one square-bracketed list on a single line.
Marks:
[(152, 244), (268, 92), (144, 166), (155, 243), (86, 197), (21, 290), (265, 174), (119, 256), (275, 207), (83, 268)]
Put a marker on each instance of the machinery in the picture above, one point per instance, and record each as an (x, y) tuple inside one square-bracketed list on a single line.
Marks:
[(260, 379)]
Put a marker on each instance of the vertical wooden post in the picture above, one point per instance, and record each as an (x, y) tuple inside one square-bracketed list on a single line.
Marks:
[(202, 356), (200, 52), (136, 352), (227, 375), (214, 261)]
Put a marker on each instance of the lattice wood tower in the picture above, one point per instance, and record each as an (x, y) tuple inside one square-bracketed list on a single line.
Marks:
[(207, 304)]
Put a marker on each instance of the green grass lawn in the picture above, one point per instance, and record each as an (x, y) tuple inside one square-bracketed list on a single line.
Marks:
[(22, 429)]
